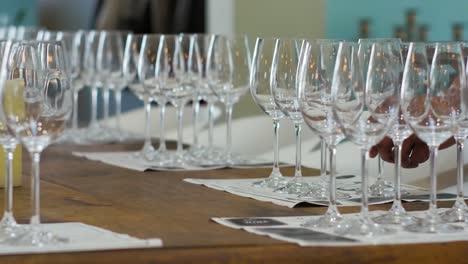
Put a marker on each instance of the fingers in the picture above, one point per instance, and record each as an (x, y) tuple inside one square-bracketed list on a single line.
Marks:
[(374, 151), (448, 143), (413, 152), (420, 152), (386, 149), (406, 150)]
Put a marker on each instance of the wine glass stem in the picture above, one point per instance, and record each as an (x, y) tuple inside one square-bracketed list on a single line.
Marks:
[(9, 150), (298, 171), (323, 159), (94, 98), (196, 111), (228, 129), (35, 189), (162, 126), (276, 126), (364, 183), (75, 111), (460, 163), (380, 166), (433, 187), (180, 112), (210, 124), (118, 106), (397, 179), (332, 181), (147, 144), (105, 97)]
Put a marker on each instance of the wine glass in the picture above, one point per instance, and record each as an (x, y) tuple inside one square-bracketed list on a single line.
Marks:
[(109, 62), (130, 67), (315, 101), (366, 112), (211, 154), (40, 70), (322, 51), (228, 67), (283, 88), (74, 44), (260, 79), (91, 79), (432, 105), (197, 150), (147, 71), (381, 187), (459, 210), (8, 226), (387, 56), (178, 72)]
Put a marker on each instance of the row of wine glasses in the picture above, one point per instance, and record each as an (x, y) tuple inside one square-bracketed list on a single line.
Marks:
[(217, 71), (364, 92), (173, 69), (182, 68), (110, 60), (270, 63)]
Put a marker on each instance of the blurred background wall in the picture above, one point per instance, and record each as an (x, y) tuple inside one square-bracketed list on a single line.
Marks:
[(22, 12), (343, 19)]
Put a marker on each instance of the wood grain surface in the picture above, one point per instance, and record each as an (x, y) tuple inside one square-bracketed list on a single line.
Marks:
[(159, 204)]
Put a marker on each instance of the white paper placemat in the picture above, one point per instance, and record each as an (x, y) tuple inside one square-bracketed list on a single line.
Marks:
[(82, 237), (129, 161), (244, 187), (289, 229)]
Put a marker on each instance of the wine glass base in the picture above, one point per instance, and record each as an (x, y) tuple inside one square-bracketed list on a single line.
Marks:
[(432, 227), (197, 151), (210, 157), (396, 216), (98, 133), (273, 182), (122, 135), (364, 226), (458, 213), (74, 136), (232, 159), (36, 237), (330, 219), (297, 185), (381, 188), (320, 193), (9, 228)]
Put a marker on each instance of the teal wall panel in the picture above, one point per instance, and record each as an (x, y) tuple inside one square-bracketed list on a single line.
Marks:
[(11, 7), (343, 16)]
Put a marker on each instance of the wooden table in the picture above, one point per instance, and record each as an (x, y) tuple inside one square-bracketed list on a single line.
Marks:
[(160, 204)]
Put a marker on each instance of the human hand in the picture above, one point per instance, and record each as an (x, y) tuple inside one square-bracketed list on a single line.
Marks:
[(413, 152)]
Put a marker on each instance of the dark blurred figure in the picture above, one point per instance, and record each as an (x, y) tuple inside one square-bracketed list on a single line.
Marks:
[(151, 16)]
